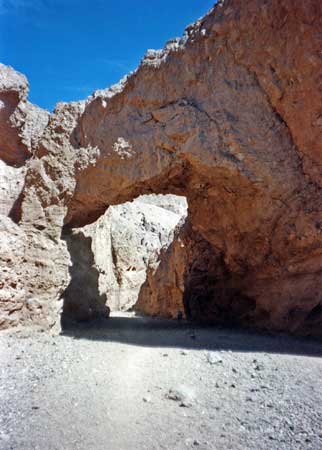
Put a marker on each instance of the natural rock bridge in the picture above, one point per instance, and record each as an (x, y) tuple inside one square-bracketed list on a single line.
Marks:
[(233, 127)]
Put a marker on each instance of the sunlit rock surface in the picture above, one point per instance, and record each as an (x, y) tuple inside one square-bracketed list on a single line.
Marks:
[(111, 257), (228, 116)]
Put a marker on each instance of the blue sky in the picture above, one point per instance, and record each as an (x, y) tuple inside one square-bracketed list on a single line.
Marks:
[(69, 48)]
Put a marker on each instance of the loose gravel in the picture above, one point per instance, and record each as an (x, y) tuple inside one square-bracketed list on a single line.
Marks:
[(133, 383)]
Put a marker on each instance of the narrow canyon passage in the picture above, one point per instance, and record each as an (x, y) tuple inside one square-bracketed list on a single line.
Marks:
[(144, 256), (115, 259)]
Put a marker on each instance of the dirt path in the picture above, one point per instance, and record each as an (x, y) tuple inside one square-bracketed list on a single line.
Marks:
[(136, 384)]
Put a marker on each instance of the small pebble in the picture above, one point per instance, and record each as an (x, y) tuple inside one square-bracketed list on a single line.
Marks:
[(213, 358)]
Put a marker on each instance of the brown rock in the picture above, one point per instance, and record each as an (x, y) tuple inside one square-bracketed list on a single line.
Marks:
[(21, 123), (12, 289), (228, 116), (163, 292)]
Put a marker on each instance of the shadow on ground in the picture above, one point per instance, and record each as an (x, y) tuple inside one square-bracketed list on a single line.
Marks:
[(149, 332)]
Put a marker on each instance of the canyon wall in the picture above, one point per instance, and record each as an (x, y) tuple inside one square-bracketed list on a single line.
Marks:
[(111, 257), (228, 116), (21, 125)]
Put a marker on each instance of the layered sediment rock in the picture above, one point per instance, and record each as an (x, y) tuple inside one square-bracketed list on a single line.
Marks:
[(228, 116)]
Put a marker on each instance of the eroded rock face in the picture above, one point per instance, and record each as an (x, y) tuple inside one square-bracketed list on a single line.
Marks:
[(192, 281), (11, 185), (163, 292), (111, 257), (228, 116), (21, 125), (21, 122), (12, 290)]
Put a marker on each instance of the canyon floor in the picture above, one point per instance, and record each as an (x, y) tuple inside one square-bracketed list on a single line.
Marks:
[(134, 383)]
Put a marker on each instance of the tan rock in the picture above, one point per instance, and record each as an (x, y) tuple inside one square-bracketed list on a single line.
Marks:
[(12, 289), (111, 256), (11, 185), (228, 116), (21, 123), (163, 292)]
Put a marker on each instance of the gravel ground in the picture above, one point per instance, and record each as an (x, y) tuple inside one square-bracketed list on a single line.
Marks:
[(135, 383)]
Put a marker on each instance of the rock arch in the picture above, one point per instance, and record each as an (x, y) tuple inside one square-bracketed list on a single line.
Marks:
[(232, 127)]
